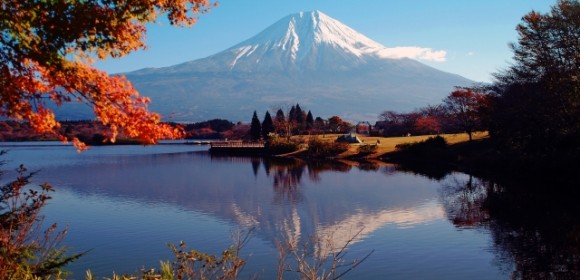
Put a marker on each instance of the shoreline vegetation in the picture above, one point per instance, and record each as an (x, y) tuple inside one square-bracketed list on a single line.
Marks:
[(456, 152), (480, 156), (91, 133), (453, 151)]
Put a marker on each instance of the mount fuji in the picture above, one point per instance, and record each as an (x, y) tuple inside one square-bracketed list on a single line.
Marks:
[(307, 58)]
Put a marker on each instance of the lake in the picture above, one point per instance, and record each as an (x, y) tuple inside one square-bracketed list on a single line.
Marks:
[(125, 203)]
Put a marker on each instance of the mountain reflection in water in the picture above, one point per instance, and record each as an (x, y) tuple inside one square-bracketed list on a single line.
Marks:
[(334, 215), (423, 222)]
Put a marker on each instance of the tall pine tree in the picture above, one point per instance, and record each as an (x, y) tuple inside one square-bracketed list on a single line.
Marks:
[(255, 128), (309, 120), (280, 116), (299, 115), (267, 125), (292, 114), (281, 125)]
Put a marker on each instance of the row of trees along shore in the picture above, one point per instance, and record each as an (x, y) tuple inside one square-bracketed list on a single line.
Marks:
[(298, 122), (461, 111)]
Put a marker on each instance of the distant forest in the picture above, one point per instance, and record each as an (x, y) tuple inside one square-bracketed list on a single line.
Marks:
[(93, 132)]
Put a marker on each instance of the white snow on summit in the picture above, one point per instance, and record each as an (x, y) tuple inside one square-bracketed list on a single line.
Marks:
[(299, 39)]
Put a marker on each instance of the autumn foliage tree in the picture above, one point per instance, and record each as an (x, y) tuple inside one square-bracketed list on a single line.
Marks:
[(337, 125), (427, 125), (46, 54), (392, 123), (465, 107)]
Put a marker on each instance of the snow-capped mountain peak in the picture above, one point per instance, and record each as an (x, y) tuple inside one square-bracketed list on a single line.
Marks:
[(297, 41), (307, 58)]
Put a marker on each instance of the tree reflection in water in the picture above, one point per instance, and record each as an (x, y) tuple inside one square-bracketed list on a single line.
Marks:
[(464, 202), (286, 180), (287, 174), (534, 225)]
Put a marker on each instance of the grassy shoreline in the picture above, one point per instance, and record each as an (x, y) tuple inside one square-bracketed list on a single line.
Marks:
[(478, 157), (385, 145)]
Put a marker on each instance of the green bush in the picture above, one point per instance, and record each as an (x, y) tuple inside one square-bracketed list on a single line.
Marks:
[(278, 146), (429, 144), (321, 149), (433, 148)]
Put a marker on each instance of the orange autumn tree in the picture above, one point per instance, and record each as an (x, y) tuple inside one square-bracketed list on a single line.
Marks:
[(47, 48), (466, 108)]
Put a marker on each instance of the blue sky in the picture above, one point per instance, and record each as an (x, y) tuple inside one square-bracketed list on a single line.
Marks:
[(473, 34)]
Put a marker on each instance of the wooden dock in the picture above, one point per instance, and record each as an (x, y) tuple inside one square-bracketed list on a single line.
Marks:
[(237, 147)]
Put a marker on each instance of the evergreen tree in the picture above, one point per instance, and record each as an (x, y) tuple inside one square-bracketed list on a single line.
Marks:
[(255, 128), (299, 115), (267, 125), (280, 122), (280, 116), (300, 120), (309, 120), (292, 114)]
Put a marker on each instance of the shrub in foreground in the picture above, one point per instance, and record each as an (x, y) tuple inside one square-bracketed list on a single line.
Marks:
[(278, 146), (428, 144), (367, 149), (26, 250), (320, 257), (433, 148), (321, 149)]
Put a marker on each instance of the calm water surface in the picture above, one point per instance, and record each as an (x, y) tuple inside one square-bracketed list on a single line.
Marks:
[(124, 203)]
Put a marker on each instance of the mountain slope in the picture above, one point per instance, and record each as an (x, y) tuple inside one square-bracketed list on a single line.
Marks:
[(307, 58)]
